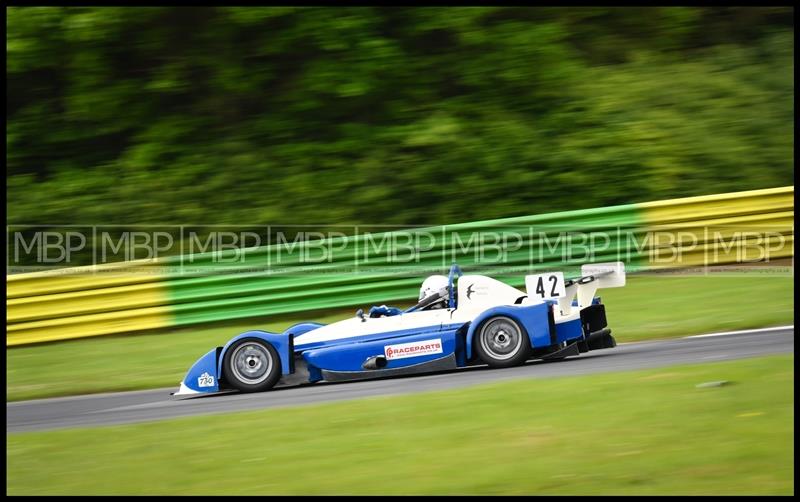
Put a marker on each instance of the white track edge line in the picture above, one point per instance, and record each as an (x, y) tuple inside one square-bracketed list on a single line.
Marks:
[(775, 328)]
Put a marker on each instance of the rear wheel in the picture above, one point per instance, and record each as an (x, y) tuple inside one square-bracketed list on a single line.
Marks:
[(251, 365), (502, 342)]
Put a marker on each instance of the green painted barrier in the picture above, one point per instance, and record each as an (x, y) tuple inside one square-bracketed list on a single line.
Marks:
[(278, 278)]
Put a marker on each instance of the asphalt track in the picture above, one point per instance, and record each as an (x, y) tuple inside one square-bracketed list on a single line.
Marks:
[(141, 406)]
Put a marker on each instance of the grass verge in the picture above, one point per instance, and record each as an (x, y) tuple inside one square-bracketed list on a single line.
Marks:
[(648, 307), (643, 432)]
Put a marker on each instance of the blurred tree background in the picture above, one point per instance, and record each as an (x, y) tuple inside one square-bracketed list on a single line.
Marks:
[(388, 115)]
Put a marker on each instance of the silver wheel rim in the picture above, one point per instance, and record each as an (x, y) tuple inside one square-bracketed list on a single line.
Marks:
[(501, 338), (251, 363)]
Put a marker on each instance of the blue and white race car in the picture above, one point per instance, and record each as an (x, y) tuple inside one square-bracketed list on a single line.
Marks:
[(460, 320)]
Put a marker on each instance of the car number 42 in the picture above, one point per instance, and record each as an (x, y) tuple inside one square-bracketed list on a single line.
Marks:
[(546, 286)]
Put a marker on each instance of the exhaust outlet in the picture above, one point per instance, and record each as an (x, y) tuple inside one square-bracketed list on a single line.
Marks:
[(374, 363)]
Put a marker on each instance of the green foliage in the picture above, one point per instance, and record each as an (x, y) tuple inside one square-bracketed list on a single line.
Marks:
[(388, 115)]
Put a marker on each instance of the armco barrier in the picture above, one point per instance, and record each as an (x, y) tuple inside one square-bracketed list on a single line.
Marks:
[(179, 291)]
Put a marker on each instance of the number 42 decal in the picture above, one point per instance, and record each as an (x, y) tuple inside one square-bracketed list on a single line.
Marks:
[(546, 286)]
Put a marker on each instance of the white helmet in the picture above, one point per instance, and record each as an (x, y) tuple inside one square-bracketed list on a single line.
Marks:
[(432, 284)]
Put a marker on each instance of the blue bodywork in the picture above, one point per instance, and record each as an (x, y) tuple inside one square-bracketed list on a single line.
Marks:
[(347, 356), (436, 347), (350, 356), (534, 319), (210, 364), (201, 371), (282, 343)]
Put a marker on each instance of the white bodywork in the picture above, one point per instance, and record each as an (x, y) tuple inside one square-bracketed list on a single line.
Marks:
[(185, 391), (476, 294)]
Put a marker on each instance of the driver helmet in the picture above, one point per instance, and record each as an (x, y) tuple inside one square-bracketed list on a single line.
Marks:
[(432, 284)]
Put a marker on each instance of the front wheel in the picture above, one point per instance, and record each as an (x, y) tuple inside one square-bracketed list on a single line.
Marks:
[(502, 342), (251, 365)]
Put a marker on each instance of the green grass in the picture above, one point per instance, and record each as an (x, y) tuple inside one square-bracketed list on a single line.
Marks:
[(643, 432), (666, 306), (648, 307)]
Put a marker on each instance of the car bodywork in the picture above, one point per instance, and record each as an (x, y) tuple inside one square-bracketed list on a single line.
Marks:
[(559, 317)]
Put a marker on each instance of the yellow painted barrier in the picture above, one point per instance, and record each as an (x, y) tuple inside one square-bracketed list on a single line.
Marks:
[(80, 326), (721, 228), (139, 295), (752, 202), (83, 278), (89, 301), (86, 301)]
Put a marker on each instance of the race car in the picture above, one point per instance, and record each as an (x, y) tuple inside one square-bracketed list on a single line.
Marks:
[(460, 320)]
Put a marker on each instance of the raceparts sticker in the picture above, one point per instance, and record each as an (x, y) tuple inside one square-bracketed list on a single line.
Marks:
[(413, 349)]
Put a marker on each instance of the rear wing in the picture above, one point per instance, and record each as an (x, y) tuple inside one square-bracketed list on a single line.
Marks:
[(593, 277)]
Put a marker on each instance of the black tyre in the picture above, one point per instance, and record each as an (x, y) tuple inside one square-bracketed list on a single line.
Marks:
[(251, 365), (501, 342)]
